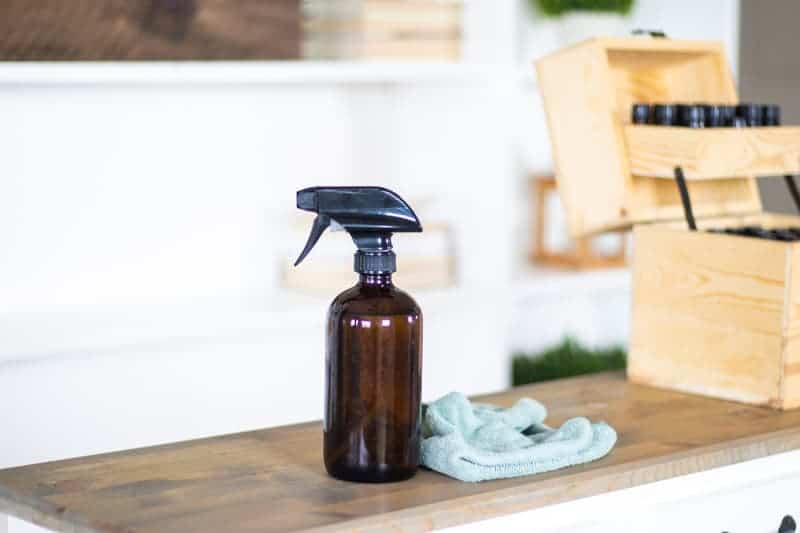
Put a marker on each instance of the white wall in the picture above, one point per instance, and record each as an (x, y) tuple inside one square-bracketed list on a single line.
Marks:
[(119, 195)]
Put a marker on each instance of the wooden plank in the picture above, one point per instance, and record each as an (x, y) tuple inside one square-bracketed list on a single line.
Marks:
[(638, 44), (790, 366), (149, 29), (273, 479), (708, 313), (646, 45), (713, 153), (588, 152)]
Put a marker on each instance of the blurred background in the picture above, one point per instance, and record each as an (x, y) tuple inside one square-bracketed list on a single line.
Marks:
[(150, 152)]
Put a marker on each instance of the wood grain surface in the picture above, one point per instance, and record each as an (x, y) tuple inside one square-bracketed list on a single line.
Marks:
[(708, 312), (713, 153), (732, 299), (591, 166), (790, 384), (55, 30), (273, 479)]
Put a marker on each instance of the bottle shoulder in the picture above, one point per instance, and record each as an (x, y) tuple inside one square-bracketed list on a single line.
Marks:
[(365, 300)]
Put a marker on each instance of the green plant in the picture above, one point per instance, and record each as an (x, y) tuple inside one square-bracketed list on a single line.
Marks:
[(557, 8), (569, 358)]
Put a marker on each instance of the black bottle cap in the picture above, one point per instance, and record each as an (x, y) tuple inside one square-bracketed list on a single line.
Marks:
[(680, 110), (715, 116), (704, 109), (693, 116), (374, 263), (751, 231), (751, 113), (771, 114), (640, 114), (665, 114), (728, 114)]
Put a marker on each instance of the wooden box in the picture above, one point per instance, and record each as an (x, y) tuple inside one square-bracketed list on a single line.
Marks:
[(712, 314)]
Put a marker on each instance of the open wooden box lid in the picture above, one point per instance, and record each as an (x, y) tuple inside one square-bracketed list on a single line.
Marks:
[(612, 174)]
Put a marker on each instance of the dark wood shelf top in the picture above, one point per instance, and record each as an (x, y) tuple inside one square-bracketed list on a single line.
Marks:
[(273, 479)]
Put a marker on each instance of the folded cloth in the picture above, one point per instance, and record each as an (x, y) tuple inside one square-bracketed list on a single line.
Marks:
[(478, 442)]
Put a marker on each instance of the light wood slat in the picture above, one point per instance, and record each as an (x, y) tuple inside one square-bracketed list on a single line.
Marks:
[(717, 153), (717, 314), (273, 480)]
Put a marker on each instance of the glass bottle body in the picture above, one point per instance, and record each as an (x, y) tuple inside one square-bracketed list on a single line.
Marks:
[(373, 383)]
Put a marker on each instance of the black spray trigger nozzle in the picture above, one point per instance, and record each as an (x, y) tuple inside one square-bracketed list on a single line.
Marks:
[(369, 214), (320, 224), (307, 200)]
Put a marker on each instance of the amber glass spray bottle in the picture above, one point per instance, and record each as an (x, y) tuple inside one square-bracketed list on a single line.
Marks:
[(373, 359)]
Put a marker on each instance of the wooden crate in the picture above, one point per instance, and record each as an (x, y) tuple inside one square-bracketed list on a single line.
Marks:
[(717, 315), (712, 314)]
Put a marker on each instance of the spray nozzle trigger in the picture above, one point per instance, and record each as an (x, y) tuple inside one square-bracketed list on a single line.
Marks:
[(320, 224), (369, 214)]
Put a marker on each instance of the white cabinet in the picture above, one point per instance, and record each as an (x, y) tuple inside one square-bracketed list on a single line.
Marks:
[(749, 497)]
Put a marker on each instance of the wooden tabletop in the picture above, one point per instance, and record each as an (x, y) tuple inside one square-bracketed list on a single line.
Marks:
[(273, 479)]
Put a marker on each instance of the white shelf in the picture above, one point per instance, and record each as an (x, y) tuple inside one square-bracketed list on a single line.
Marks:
[(538, 280), (247, 73)]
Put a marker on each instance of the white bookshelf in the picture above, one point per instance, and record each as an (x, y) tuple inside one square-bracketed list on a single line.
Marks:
[(249, 73)]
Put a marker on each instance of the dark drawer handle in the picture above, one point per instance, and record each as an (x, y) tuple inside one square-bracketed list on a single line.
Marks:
[(788, 525)]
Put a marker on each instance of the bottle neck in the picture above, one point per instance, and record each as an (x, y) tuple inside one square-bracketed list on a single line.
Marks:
[(376, 279)]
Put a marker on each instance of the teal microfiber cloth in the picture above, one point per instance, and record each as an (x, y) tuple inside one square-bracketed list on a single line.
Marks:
[(478, 442)]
